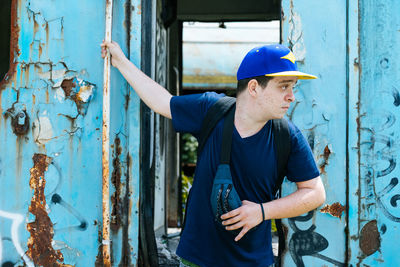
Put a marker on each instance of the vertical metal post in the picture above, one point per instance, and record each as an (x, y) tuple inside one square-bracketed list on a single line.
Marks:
[(106, 142)]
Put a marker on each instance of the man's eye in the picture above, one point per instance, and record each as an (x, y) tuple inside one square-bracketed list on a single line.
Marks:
[(284, 87)]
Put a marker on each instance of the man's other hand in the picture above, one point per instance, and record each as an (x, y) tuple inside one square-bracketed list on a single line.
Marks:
[(246, 217)]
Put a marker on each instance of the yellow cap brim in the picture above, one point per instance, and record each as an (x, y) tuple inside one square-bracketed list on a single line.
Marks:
[(298, 74)]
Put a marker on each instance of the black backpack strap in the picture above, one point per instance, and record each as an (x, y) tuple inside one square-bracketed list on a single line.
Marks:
[(213, 115), (227, 133), (281, 133)]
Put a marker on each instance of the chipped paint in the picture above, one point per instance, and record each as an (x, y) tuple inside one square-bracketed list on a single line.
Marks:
[(296, 42), (80, 91), (42, 129), (85, 92), (325, 158), (336, 209)]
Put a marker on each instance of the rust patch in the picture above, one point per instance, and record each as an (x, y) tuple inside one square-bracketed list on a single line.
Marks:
[(370, 239), (327, 153), (14, 48), (99, 257), (79, 91), (67, 86), (40, 248), (127, 207), (20, 121), (116, 201), (336, 209)]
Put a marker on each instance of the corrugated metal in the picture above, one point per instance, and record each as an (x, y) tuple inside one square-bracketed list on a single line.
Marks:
[(50, 137)]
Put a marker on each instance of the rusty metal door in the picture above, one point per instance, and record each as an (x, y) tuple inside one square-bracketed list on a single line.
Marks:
[(374, 215), (317, 238), (349, 118), (50, 136)]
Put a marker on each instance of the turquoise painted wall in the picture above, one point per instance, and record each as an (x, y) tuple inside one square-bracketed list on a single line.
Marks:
[(349, 117)]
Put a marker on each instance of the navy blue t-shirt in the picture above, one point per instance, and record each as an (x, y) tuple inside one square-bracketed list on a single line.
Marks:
[(253, 168)]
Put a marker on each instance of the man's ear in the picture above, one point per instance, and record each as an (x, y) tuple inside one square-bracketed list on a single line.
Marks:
[(252, 86)]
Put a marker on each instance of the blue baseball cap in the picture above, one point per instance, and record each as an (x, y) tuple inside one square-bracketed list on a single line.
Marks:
[(270, 60)]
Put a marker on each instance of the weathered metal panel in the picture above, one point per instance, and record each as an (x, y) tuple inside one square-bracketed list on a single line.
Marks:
[(353, 127), (50, 137), (316, 32), (375, 226), (160, 130), (130, 245)]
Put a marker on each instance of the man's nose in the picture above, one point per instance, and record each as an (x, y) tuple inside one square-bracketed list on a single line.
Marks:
[(289, 97)]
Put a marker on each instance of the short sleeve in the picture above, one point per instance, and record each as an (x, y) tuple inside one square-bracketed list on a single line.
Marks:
[(188, 111), (301, 164)]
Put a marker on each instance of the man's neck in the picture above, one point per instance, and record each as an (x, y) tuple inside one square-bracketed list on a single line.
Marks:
[(247, 121)]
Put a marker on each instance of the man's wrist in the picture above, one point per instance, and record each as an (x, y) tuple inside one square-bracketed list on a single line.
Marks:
[(262, 212), (119, 64)]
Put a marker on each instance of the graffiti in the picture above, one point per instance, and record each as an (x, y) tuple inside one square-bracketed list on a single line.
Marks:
[(396, 96), (381, 161), (57, 199), (393, 200), (307, 242), (17, 219)]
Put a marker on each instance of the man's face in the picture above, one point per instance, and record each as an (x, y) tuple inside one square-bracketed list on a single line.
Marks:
[(276, 97)]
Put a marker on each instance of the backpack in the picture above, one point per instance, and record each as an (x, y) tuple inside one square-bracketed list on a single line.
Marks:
[(282, 149)]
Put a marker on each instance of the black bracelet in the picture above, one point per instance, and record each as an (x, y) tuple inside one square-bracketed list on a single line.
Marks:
[(262, 210)]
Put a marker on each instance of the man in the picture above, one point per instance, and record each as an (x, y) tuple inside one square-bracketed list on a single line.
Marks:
[(266, 78)]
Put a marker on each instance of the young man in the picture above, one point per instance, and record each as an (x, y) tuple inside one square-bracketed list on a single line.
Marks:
[(266, 78)]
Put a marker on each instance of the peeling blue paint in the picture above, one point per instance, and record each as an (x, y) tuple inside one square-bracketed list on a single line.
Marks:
[(56, 86), (349, 117)]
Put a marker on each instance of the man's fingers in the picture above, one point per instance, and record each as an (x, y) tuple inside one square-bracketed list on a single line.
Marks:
[(241, 234), (230, 214), (235, 226), (232, 220)]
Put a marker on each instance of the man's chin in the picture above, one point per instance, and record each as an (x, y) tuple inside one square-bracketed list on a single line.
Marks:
[(279, 116)]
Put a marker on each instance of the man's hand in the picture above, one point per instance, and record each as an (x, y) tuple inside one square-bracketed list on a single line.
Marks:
[(153, 95), (246, 217), (117, 56)]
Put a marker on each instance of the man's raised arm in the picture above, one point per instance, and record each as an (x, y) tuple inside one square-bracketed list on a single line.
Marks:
[(152, 94)]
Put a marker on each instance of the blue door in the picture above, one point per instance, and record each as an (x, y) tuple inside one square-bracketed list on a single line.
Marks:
[(51, 139), (349, 117)]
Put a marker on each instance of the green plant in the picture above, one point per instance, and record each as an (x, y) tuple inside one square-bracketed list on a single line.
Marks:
[(187, 182), (189, 149)]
